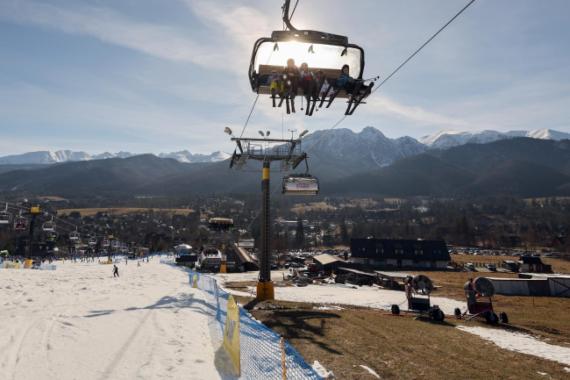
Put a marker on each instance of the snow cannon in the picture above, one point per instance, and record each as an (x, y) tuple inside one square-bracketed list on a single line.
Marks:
[(422, 284), (479, 292), (418, 290), (481, 285)]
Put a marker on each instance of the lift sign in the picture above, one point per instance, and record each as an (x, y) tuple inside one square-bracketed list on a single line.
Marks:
[(231, 335)]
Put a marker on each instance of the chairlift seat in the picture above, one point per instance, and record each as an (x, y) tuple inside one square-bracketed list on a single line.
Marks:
[(265, 72)]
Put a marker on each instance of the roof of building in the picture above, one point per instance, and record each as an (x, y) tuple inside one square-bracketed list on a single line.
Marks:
[(531, 260), (326, 259)]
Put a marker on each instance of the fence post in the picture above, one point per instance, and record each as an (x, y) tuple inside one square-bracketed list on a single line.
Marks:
[(283, 359)]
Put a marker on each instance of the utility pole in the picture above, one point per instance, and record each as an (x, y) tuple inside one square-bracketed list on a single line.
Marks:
[(289, 153)]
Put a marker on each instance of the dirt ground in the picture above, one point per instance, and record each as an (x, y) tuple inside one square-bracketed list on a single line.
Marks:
[(398, 347), (547, 317)]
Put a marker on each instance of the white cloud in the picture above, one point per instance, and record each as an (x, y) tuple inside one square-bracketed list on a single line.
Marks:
[(386, 106), (160, 41)]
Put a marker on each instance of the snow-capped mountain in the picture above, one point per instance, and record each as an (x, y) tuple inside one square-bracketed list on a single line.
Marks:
[(448, 139), (368, 148), (364, 148), (61, 156), (187, 157)]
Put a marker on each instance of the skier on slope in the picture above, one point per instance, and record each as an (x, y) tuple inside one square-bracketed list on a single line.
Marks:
[(115, 271)]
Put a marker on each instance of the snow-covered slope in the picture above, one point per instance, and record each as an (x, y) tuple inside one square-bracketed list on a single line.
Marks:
[(79, 322), (448, 139)]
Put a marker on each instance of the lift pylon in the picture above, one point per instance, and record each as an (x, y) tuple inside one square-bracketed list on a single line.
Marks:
[(267, 150)]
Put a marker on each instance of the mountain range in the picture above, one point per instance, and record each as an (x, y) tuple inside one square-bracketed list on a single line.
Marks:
[(369, 146), (61, 156), (345, 162), (449, 139)]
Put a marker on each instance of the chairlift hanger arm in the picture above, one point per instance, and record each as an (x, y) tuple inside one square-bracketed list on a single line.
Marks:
[(286, 16)]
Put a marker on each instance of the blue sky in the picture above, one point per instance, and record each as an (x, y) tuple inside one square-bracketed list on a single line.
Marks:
[(166, 75)]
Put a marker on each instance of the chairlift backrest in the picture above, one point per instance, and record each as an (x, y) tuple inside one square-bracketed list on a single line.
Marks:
[(271, 54)]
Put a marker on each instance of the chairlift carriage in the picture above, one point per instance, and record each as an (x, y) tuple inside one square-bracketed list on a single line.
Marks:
[(74, 236), (51, 236), (300, 184), (324, 53), (49, 226), (5, 216), (92, 241), (20, 224)]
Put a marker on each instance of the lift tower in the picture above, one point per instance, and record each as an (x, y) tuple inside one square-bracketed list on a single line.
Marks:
[(267, 150)]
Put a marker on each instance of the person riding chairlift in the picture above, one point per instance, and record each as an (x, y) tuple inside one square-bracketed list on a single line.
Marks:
[(349, 84), (291, 77), (276, 86), (308, 83)]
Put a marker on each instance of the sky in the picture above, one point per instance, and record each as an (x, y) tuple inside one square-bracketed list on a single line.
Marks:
[(168, 75)]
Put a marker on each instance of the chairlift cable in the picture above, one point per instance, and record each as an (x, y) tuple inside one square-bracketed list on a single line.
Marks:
[(249, 116), (423, 45), (294, 9), (341, 120)]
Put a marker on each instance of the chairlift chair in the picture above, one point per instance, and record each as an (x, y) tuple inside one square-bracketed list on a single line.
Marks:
[(20, 224), (49, 226), (51, 236), (74, 236), (300, 184), (324, 53), (5, 216), (92, 241)]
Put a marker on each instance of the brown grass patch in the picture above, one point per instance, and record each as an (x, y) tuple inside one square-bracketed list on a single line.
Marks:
[(398, 347)]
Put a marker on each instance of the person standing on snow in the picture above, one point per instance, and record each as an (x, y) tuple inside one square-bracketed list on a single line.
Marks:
[(115, 271)]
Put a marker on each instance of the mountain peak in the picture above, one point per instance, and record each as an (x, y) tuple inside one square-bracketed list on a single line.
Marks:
[(448, 139)]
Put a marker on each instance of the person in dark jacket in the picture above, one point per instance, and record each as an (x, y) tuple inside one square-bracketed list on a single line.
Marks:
[(115, 271)]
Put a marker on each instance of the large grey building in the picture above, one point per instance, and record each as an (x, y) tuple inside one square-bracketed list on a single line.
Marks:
[(390, 253)]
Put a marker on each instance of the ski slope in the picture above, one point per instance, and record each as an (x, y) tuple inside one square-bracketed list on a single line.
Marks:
[(78, 322)]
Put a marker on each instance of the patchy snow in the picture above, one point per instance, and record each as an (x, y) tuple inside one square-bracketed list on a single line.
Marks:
[(331, 307), (322, 371), (337, 294), (370, 371), (523, 343), (79, 322)]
